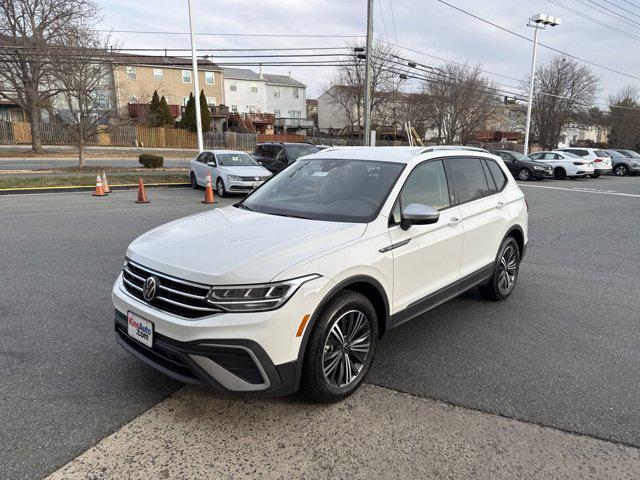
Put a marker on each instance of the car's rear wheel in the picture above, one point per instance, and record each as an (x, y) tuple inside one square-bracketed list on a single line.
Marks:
[(595, 175), (192, 179), (220, 190), (620, 170), (505, 272), (341, 347), (524, 174), (559, 173)]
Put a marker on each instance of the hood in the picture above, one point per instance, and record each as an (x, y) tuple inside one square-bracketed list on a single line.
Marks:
[(249, 171), (234, 246)]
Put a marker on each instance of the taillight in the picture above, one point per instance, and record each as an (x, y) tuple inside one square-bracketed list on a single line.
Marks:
[(598, 160)]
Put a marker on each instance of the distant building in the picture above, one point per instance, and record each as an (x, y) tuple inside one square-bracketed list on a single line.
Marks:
[(312, 110), (287, 100), (583, 136)]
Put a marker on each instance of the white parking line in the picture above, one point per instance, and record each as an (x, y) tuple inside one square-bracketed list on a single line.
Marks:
[(585, 190)]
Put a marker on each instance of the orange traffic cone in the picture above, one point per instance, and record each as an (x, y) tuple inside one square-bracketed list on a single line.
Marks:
[(99, 192), (208, 191), (142, 193), (105, 183)]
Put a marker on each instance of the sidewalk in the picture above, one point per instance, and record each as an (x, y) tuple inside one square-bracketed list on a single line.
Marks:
[(376, 433)]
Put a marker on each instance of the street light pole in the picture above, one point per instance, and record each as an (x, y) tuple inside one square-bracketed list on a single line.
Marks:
[(196, 84), (367, 75), (539, 21)]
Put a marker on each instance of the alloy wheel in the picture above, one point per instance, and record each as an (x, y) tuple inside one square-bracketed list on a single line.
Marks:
[(507, 270), (346, 348), (620, 170), (524, 174)]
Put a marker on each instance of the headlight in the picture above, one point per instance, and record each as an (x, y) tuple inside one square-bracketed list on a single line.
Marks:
[(537, 167), (234, 178), (255, 298)]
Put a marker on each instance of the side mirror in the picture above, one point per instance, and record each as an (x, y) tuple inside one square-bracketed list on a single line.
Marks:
[(418, 214), (212, 164)]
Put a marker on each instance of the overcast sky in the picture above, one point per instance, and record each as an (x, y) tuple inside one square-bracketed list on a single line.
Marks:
[(423, 25)]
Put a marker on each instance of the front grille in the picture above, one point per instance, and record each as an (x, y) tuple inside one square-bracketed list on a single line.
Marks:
[(253, 179), (179, 297)]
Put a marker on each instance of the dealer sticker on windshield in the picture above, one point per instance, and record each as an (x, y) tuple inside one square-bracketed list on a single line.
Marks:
[(140, 329)]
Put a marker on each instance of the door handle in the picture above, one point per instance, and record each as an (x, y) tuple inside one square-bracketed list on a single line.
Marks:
[(454, 221), (500, 204)]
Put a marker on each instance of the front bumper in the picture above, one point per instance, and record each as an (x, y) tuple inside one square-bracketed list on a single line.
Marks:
[(235, 352), (231, 366), (603, 170), (236, 186), (539, 174)]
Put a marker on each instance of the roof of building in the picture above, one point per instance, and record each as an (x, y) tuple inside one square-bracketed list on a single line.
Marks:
[(283, 80), (242, 74), (312, 101), (164, 61)]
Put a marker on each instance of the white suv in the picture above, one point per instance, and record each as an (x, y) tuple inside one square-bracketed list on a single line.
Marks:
[(600, 158), (293, 286)]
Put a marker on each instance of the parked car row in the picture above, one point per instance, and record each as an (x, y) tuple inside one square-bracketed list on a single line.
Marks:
[(570, 163)]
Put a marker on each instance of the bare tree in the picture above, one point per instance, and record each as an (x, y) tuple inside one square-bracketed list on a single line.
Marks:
[(624, 118), (461, 100), (565, 90), (346, 88), (31, 35), (86, 81)]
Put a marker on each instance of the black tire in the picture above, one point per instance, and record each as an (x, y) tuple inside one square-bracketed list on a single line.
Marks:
[(496, 288), (193, 181), (595, 175), (620, 170), (323, 344), (220, 190), (559, 173), (524, 174)]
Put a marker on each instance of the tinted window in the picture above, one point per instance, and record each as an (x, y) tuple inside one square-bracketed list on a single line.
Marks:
[(235, 160), (487, 175), (601, 153), (497, 174), (202, 158), (296, 151), (427, 184), (581, 153), (468, 178), (327, 189), (536, 156), (259, 151)]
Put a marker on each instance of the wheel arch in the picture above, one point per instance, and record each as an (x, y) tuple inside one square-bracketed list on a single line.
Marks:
[(363, 284), (517, 232)]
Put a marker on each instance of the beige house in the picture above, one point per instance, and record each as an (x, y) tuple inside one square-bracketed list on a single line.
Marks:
[(136, 77)]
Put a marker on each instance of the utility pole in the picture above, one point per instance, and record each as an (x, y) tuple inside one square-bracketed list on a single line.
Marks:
[(367, 75), (539, 21), (196, 85)]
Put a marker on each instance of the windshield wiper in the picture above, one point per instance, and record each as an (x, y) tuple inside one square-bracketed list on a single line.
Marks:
[(242, 206)]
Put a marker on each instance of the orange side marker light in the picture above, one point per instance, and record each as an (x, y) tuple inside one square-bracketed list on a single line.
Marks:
[(303, 324)]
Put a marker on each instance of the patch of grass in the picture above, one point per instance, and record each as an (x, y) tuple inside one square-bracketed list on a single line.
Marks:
[(84, 180)]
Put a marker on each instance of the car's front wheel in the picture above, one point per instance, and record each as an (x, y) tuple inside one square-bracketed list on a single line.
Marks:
[(505, 272), (193, 181), (559, 173), (220, 190), (595, 175), (524, 174), (620, 170), (341, 347)]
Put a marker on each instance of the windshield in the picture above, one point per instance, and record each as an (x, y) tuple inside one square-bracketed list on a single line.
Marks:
[(520, 157), (296, 151), (615, 154), (601, 153), (235, 160), (327, 189), (631, 154)]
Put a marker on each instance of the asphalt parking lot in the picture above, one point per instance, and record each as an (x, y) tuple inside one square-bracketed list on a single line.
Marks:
[(561, 352)]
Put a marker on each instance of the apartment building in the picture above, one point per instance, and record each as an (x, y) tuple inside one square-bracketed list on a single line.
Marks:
[(136, 77)]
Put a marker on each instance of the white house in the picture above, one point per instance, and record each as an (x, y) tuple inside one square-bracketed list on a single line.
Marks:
[(287, 100), (245, 91)]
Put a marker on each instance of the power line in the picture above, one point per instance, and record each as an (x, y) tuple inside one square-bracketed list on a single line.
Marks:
[(393, 19), (220, 34), (504, 29), (603, 8), (384, 24)]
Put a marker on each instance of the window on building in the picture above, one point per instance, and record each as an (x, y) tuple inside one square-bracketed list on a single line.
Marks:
[(186, 76), (134, 99), (157, 74), (131, 72), (234, 108), (296, 93), (276, 112), (276, 91), (211, 101), (185, 100), (254, 88), (233, 86), (209, 79)]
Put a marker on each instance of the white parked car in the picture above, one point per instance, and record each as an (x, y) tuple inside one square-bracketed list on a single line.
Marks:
[(231, 171), (564, 164), (602, 161), (294, 286)]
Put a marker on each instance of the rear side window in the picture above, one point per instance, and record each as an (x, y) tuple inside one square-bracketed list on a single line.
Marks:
[(601, 153), (581, 153), (497, 174), (427, 184), (469, 180), (259, 151)]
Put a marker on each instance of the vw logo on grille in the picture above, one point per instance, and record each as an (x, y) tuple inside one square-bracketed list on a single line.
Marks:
[(257, 178), (150, 288)]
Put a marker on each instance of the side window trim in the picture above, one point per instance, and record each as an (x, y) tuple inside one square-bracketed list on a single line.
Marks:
[(504, 184), (457, 202)]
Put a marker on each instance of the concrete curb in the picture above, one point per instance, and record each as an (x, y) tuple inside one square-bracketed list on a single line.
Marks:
[(85, 188)]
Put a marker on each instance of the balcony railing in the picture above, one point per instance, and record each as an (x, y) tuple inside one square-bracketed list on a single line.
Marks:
[(220, 111), (269, 118), (294, 122)]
